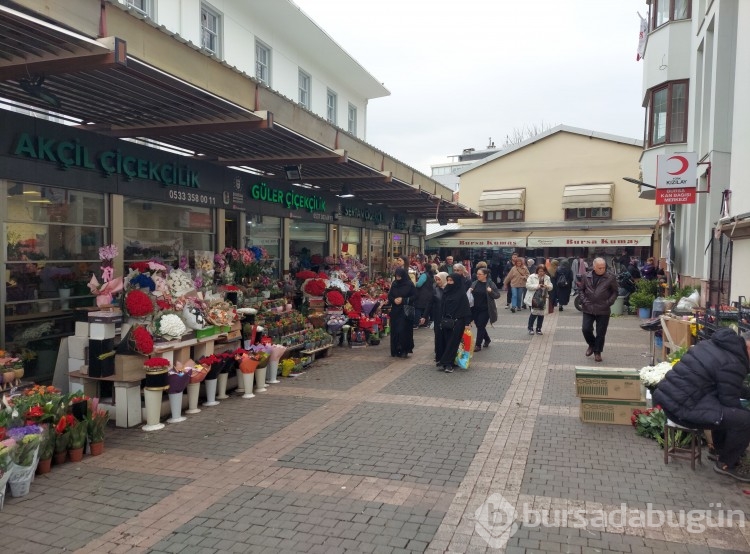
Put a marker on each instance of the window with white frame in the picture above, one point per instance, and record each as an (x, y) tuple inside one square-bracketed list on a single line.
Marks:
[(352, 126), (304, 89), (331, 105), (210, 29), (145, 7), (263, 63), (667, 113), (664, 11)]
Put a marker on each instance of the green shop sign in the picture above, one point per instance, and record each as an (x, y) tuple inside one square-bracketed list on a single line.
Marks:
[(71, 153), (290, 199), (363, 213)]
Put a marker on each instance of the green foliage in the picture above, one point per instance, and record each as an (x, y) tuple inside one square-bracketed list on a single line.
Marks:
[(650, 424), (650, 287), (642, 299)]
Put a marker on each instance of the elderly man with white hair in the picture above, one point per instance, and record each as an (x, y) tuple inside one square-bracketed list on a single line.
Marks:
[(598, 292)]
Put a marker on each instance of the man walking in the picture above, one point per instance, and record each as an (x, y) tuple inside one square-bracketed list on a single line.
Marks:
[(598, 292)]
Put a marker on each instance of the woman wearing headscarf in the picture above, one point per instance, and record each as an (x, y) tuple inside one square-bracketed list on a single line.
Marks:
[(563, 284), (456, 310), (425, 284), (435, 313), (402, 293)]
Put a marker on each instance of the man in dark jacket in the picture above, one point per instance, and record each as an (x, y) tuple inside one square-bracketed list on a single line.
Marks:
[(703, 390), (599, 291)]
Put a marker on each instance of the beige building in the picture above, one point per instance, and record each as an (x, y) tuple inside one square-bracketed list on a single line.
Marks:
[(560, 193)]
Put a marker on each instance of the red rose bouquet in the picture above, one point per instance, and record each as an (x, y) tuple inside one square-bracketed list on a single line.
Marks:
[(138, 304)]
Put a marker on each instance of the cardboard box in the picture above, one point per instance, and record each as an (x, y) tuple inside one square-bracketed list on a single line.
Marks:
[(618, 383), (82, 329), (615, 412), (78, 347), (129, 367)]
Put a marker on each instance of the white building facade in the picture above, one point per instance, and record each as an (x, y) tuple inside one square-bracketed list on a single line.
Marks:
[(696, 77)]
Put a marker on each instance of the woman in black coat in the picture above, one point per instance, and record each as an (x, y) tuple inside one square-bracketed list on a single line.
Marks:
[(563, 292), (484, 311), (402, 293), (436, 312), (425, 284), (703, 390), (456, 309)]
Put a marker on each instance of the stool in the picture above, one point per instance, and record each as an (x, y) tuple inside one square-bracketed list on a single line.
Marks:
[(672, 450)]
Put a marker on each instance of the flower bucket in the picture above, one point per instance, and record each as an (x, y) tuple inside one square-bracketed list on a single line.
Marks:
[(60, 457), (197, 375), (156, 378), (20, 479), (214, 371), (272, 372), (644, 313)]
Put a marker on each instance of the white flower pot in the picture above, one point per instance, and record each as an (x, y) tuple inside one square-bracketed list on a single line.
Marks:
[(193, 389), (153, 410), (247, 382), (64, 294), (272, 372), (260, 379), (210, 392), (221, 386), (175, 403)]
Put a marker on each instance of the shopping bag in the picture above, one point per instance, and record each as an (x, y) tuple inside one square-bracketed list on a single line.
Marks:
[(465, 349)]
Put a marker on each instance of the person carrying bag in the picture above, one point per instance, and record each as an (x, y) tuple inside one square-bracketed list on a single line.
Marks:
[(483, 311), (455, 316)]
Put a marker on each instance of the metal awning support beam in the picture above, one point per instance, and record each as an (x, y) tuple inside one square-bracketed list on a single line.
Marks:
[(337, 157), (192, 128)]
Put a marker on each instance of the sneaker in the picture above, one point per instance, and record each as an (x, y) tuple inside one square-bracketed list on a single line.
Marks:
[(736, 472), (531, 331), (448, 369), (539, 332)]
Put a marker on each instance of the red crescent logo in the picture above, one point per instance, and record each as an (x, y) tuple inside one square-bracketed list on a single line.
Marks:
[(683, 161)]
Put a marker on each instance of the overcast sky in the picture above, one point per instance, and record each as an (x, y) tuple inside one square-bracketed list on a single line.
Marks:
[(460, 72)]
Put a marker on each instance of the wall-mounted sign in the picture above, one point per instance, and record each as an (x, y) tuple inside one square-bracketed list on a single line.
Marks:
[(676, 178), (476, 243), (593, 240), (287, 198)]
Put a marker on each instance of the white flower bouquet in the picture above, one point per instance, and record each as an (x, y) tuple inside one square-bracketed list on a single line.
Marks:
[(169, 326), (651, 376), (180, 283)]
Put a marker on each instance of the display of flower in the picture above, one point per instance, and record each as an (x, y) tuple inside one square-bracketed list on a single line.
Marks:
[(106, 255), (334, 298), (36, 332), (47, 443), (138, 303), (169, 326), (27, 440), (314, 287), (141, 281), (7, 448), (64, 280), (221, 313), (305, 274), (9, 362), (180, 283), (96, 424), (61, 435), (142, 341), (77, 433), (651, 376)]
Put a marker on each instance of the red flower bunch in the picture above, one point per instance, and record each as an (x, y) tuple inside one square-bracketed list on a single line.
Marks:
[(305, 274), (144, 342), (335, 298), (141, 267), (322, 275), (315, 287), (356, 301), (65, 422), (138, 304), (208, 361), (34, 412), (157, 362), (230, 288), (164, 304)]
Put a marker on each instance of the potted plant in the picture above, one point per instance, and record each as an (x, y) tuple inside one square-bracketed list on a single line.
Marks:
[(96, 422), (46, 449), (62, 438), (77, 433), (643, 301), (25, 458)]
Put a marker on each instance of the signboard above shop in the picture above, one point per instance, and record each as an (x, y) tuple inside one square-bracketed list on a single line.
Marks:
[(449, 242), (676, 178), (591, 240)]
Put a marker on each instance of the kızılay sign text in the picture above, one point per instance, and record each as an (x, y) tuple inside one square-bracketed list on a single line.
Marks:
[(292, 200), (71, 153)]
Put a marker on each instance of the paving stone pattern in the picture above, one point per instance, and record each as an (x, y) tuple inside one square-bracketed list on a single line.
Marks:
[(251, 519), (414, 443), (479, 382), (368, 453)]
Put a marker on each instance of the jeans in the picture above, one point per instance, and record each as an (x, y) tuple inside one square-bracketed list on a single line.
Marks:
[(587, 327), (518, 294)]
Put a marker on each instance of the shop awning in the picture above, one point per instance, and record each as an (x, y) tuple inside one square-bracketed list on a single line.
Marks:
[(497, 200), (478, 240), (597, 237), (588, 196)]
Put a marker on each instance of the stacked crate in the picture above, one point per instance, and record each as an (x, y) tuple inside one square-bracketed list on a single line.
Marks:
[(609, 394)]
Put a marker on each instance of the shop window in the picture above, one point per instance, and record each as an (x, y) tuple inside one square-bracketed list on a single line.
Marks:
[(588, 213), (304, 89), (308, 245), (210, 29), (667, 112), (664, 11), (155, 230), (265, 231), (263, 63), (504, 215)]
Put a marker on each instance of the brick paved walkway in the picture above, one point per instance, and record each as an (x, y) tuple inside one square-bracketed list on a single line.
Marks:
[(367, 453)]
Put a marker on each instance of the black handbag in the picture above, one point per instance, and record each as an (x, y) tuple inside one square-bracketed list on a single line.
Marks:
[(447, 323), (539, 300), (409, 312)]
